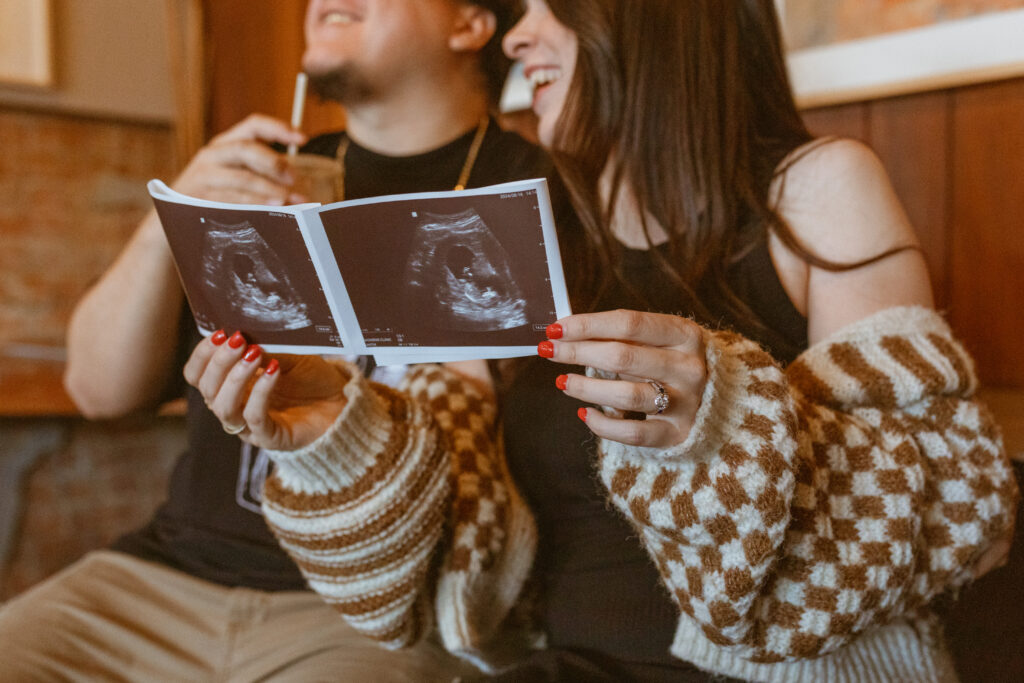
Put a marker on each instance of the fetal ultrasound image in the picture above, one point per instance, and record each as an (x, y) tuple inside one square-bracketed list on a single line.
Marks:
[(249, 271), (459, 274), (249, 276), (449, 271)]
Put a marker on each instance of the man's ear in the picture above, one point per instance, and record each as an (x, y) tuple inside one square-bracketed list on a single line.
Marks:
[(474, 27)]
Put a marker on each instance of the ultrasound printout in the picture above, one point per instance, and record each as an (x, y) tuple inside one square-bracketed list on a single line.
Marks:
[(250, 271), (457, 270), (412, 278)]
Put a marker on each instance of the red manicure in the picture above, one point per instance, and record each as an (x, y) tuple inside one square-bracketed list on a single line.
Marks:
[(252, 353), (554, 331), (582, 412), (218, 338), (236, 341), (272, 366), (546, 349), (562, 381)]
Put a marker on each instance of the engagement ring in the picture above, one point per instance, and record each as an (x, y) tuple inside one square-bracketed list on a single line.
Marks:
[(661, 398)]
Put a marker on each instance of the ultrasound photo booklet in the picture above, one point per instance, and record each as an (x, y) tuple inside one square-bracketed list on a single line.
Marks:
[(411, 278)]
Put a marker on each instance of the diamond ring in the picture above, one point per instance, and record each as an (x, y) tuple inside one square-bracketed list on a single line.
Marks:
[(661, 398)]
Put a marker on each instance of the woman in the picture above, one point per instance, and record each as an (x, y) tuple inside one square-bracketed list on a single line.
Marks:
[(766, 523)]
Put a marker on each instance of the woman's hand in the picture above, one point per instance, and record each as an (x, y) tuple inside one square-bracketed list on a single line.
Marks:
[(284, 406), (645, 351)]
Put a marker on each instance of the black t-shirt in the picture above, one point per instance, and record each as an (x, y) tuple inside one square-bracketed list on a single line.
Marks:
[(211, 525)]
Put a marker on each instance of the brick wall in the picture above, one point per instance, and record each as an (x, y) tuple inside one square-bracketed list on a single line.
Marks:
[(71, 192)]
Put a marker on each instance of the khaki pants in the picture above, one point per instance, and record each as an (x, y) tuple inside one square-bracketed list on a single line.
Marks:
[(112, 617)]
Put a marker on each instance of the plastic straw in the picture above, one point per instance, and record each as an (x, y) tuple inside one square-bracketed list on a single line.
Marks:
[(298, 104)]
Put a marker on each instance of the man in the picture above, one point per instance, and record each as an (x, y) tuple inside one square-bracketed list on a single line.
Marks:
[(204, 591)]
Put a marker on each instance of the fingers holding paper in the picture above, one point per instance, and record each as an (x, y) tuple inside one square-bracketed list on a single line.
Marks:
[(281, 403), (648, 365)]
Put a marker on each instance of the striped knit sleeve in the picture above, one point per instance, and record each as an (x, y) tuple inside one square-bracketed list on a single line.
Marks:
[(362, 510), (403, 516), (811, 504)]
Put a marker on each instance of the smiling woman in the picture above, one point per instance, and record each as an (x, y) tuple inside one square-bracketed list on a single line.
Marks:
[(548, 69)]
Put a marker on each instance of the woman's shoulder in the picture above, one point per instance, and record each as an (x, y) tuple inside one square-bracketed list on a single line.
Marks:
[(836, 197), (831, 154)]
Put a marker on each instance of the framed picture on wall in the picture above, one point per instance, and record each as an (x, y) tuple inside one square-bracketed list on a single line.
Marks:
[(26, 50), (849, 50)]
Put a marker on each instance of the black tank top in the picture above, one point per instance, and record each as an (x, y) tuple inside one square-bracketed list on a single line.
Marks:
[(601, 591)]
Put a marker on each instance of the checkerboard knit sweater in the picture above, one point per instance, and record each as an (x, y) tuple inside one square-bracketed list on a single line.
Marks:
[(802, 527)]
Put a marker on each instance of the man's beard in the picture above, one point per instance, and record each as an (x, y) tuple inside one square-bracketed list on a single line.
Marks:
[(343, 84)]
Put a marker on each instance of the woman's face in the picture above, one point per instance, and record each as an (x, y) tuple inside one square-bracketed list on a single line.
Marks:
[(547, 50)]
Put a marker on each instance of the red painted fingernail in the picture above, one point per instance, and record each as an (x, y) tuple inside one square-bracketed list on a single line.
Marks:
[(562, 381), (236, 341), (546, 349), (252, 353), (554, 331), (582, 412), (272, 366), (218, 338)]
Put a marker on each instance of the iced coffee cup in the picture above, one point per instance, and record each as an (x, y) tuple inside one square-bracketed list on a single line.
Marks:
[(317, 178)]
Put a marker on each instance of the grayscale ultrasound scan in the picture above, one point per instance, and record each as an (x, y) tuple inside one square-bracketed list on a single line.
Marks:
[(459, 275), (240, 269)]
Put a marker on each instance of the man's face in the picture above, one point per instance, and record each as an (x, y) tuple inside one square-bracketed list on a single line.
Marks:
[(364, 48)]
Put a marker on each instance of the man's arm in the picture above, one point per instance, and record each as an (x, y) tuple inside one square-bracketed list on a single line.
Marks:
[(123, 334)]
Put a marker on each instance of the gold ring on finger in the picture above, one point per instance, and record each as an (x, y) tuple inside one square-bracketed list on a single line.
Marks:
[(234, 429)]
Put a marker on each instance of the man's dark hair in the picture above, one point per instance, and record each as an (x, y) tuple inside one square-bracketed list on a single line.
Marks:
[(493, 62)]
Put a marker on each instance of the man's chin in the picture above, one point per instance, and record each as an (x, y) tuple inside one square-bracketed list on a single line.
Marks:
[(337, 84)]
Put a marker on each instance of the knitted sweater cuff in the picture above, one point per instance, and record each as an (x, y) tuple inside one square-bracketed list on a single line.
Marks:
[(903, 650), (724, 404), (346, 451), (893, 358)]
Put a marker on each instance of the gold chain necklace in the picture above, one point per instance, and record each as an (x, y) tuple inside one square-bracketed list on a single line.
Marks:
[(467, 166)]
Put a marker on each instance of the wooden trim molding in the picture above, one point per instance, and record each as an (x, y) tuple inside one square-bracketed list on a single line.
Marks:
[(987, 47), (186, 28)]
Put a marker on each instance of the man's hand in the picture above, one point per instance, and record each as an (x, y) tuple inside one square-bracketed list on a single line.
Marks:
[(240, 167)]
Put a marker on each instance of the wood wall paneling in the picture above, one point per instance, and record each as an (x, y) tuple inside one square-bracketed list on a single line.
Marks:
[(956, 159), (846, 120), (911, 136), (255, 52), (987, 257)]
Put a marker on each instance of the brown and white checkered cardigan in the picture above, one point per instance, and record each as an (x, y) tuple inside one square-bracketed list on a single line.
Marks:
[(802, 527)]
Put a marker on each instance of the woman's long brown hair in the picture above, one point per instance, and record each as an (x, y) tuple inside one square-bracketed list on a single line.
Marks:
[(690, 102)]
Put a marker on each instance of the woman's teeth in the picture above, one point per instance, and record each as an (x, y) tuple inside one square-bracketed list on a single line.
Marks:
[(342, 18), (541, 77)]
